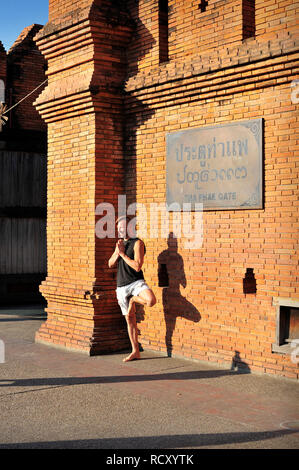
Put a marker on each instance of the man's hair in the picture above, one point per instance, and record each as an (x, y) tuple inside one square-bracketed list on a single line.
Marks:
[(122, 217)]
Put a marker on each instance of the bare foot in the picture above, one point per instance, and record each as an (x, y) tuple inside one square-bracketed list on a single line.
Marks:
[(132, 357)]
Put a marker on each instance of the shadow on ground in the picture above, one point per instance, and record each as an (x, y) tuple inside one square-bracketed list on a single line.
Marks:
[(70, 381), (176, 441)]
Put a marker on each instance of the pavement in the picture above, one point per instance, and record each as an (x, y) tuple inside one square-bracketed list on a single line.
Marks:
[(53, 398)]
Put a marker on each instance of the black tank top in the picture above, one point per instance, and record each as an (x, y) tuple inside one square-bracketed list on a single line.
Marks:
[(125, 274)]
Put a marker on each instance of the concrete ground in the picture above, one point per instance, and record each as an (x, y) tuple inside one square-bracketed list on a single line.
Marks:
[(52, 398)]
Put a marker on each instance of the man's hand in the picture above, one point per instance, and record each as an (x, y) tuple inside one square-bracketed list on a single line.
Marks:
[(120, 247)]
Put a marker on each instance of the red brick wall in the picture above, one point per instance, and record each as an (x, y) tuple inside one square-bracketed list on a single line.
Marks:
[(25, 71), (264, 240), (214, 77), (275, 18), (82, 105), (58, 8), (192, 32)]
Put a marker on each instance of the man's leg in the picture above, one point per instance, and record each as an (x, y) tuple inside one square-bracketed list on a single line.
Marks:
[(133, 335), (145, 297)]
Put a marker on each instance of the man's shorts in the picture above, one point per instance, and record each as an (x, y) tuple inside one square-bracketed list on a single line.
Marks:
[(124, 293)]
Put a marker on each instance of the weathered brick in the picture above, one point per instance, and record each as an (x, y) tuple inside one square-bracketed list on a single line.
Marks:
[(220, 68)]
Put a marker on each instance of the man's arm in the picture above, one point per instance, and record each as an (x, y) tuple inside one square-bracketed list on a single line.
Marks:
[(114, 257), (137, 262)]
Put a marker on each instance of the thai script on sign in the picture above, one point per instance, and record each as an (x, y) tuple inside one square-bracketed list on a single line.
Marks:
[(234, 148), (210, 175)]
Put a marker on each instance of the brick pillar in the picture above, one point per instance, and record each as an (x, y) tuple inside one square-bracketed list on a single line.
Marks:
[(84, 43)]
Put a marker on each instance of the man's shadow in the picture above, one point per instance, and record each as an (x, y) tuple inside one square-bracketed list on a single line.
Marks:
[(171, 276)]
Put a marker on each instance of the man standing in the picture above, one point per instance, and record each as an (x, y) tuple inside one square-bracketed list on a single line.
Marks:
[(131, 286)]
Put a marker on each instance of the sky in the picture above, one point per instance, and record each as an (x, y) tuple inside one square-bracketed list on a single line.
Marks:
[(15, 15)]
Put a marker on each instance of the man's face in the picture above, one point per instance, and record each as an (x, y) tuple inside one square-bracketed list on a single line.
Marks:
[(121, 228)]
